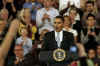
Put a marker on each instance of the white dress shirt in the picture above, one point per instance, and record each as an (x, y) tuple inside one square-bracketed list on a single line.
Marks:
[(52, 12), (74, 32), (60, 36)]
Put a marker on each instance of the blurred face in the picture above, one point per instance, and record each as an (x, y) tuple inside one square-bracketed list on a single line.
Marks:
[(72, 14), (24, 32), (98, 50), (27, 15), (58, 24), (47, 3), (18, 50), (66, 22), (98, 3), (91, 54), (91, 21), (89, 7), (4, 14)]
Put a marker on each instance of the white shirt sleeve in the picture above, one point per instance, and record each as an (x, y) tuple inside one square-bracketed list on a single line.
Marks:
[(75, 33), (29, 44), (18, 41), (39, 18)]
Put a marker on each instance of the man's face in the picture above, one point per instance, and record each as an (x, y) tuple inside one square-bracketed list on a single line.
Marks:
[(4, 15), (66, 22), (18, 51), (72, 14), (98, 3), (27, 15), (58, 24), (89, 7), (24, 32), (47, 3), (98, 50), (91, 21), (91, 54)]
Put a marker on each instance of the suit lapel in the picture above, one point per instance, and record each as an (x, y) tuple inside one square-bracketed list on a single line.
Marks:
[(63, 39), (54, 39)]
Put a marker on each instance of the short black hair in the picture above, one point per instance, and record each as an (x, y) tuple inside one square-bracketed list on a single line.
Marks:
[(60, 17), (90, 2), (90, 15)]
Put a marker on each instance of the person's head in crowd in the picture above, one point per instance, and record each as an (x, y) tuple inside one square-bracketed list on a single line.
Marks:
[(18, 50), (91, 54), (24, 32), (43, 32), (47, 3), (72, 13), (52, 2), (4, 14), (91, 20), (98, 4), (55, 4), (98, 51), (67, 27), (67, 22), (89, 6), (58, 23), (3, 19), (25, 15)]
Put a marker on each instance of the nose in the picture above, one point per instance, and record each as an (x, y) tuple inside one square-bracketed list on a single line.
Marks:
[(56, 24)]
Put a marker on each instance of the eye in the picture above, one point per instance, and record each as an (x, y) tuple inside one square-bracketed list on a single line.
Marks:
[(54, 22)]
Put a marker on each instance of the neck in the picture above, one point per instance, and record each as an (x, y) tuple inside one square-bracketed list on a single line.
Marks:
[(47, 8), (24, 37), (58, 30), (5, 20), (90, 26), (67, 27)]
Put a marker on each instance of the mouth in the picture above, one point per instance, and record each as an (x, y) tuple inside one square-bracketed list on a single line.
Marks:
[(56, 28)]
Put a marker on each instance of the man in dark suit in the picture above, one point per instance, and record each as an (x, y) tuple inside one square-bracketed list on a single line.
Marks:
[(65, 41)]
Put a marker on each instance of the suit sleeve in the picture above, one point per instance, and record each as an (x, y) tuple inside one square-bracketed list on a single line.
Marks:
[(71, 39)]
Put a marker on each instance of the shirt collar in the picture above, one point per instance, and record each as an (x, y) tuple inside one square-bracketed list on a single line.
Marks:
[(61, 35)]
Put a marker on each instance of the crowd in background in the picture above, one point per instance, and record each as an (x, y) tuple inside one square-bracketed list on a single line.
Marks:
[(36, 18)]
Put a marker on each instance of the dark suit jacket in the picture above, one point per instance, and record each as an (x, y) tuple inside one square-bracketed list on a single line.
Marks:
[(78, 27), (51, 44)]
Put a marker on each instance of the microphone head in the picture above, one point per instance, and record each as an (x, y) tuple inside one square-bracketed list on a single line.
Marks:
[(73, 49)]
